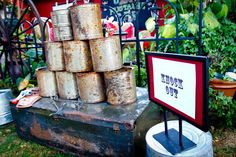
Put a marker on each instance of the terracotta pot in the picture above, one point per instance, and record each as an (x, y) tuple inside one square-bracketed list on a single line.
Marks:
[(228, 87)]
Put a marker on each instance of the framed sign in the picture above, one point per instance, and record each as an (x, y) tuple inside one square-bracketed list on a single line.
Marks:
[(179, 83)]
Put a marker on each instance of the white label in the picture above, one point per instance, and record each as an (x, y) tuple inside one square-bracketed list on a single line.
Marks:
[(175, 84)]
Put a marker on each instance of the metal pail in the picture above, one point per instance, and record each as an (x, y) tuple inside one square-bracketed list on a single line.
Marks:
[(66, 85), (60, 18), (106, 54), (62, 33), (91, 87), (120, 86), (5, 112), (54, 56), (46, 82), (86, 21), (77, 56)]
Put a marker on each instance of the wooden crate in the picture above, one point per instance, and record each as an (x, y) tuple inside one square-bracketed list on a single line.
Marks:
[(89, 129)]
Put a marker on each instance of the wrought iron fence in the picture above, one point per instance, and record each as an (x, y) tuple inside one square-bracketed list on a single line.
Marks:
[(154, 9), (31, 42), (17, 38)]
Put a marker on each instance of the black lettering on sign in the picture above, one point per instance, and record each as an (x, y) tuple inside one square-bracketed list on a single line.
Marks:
[(176, 93), (171, 81), (171, 91), (167, 79), (175, 79), (167, 90), (163, 78), (180, 81), (171, 85)]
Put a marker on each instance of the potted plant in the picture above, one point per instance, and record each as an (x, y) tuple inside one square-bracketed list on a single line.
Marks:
[(222, 54)]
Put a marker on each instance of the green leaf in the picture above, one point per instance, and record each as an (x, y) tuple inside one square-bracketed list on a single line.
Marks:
[(215, 7), (31, 53), (229, 4), (193, 28), (210, 20), (169, 31), (24, 82), (125, 53), (172, 1), (223, 13), (184, 16), (150, 24)]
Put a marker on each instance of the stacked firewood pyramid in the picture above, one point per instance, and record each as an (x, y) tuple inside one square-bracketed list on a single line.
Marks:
[(81, 63)]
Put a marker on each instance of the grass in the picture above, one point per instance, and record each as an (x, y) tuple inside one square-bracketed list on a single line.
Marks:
[(224, 144), (13, 146)]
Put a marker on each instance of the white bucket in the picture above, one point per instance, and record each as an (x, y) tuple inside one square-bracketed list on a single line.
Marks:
[(5, 112), (202, 139)]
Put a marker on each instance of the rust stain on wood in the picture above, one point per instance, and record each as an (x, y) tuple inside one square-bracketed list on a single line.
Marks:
[(81, 144), (39, 132), (84, 117)]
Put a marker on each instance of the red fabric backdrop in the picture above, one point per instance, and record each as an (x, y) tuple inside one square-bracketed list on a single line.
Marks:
[(45, 7)]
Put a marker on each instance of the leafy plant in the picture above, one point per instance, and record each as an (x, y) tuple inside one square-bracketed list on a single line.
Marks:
[(219, 45), (143, 75), (28, 80), (224, 107), (7, 83)]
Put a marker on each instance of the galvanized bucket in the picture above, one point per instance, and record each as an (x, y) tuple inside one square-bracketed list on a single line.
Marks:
[(55, 56), (66, 85), (5, 112), (86, 21), (77, 56), (60, 18), (91, 87), (46, 82), (120, 86), (106, 54), (62, 33)]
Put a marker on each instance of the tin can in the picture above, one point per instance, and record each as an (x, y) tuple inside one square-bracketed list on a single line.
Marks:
[(54, 56), (120, 86), (106, 54), (86, 21), (77, 56), (46, 82), (62, 33), (60, 18), (66, 85), (91, 87)]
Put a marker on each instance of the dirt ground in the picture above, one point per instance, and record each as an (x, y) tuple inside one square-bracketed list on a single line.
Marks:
[(224, 142)]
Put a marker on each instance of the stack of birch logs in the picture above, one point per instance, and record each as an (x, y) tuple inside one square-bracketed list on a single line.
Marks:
[(81, 63)]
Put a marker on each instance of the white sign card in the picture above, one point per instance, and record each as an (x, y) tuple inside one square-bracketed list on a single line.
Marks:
[(175, 84)]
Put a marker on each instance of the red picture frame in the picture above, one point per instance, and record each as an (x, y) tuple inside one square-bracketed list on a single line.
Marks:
[(199, 107)]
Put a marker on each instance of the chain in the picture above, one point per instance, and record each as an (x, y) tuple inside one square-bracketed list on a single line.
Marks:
[(59, 111)]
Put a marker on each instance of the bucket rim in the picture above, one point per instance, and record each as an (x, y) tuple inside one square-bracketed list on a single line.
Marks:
[(5, 90)]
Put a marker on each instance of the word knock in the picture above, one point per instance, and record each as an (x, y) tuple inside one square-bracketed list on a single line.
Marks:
[(173, 84)]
